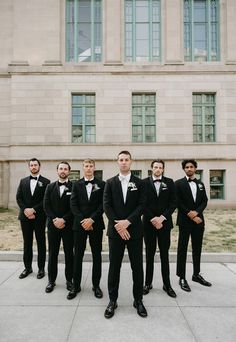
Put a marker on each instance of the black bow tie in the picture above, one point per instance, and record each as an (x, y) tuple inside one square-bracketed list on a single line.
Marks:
[(32, 177), (89, 181), (192, 180), (157, 180), (60, 184)]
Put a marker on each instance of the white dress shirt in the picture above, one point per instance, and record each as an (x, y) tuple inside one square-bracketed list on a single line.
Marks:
[(157, 184), (193, 187), (89, 187), (33, 183), (124, 184)]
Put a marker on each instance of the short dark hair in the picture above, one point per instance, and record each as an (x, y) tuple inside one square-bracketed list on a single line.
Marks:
[(64, 162), (158, 161), (186, 161), (34, 159), (125, 152)]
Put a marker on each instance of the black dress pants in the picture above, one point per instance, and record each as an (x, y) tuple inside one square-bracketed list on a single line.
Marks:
[(151, 237), (95, 241), (116, 253), (54, 240), (30, 227), (196, 234)]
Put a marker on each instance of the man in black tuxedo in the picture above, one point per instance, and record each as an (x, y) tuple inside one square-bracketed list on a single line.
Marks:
[(29, 198), (124, 198), (86, 205), (60, 220), (157, 220), (191, 202)]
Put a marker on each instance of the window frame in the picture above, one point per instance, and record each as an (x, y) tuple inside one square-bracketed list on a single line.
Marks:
[(151, 57), (76, 30), (84, 125), (191, 57), (204, 104)]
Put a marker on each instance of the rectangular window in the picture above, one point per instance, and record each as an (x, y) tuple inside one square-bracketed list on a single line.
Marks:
[(74, 175), (137, 173), (83, 30), (203, 117), (143, 118), (201, 30), (199, 174), (217, 184), (98, 174), (142, 30), (83, 118)]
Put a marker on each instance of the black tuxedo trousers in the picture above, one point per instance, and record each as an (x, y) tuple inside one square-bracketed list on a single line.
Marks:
[(95, 241), (151, 237), (55, 236), (196, 234), (29, 227), (116, 253)]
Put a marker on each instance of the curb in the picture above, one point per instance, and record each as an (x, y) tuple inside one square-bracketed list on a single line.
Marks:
[(206, 257)]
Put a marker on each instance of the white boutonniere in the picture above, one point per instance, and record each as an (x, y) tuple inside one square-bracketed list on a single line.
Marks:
[(96, 187), (66, 189), (40, 184), (132, 186), (200, 186), (163, 185)]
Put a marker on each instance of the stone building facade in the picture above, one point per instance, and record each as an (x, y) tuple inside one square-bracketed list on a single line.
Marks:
[(152, 86)]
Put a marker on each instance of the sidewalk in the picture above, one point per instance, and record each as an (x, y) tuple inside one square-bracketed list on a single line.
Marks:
[(28, 314)]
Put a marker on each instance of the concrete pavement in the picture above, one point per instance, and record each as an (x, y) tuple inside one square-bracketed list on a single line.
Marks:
[(28, 314)]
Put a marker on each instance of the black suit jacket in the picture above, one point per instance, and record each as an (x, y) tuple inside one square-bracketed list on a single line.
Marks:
[(56, 206), (185, 202), (116, 209), (82, 207), (164, 204), (26, 200)]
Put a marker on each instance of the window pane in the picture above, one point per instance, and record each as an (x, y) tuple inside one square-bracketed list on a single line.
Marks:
[(83, 43), (83, 118), (142, 24), (201, 30)]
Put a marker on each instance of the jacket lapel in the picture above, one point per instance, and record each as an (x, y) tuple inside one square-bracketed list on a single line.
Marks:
[(119, 189)]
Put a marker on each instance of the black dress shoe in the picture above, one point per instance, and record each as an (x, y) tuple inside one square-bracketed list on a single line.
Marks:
[(40, 274), (184, 285), (199, 279), (146, 289), (169, 291), (110, 310), (138, 304), (69, 285), (25, 273), (97, 292), (73, 293), (50, 287)]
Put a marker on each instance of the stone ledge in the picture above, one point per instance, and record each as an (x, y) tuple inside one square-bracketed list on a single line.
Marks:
[(206, 257)]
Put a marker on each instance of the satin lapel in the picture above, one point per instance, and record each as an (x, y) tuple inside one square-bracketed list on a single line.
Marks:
[(58, 189), (119, 189), (132, 180), (152, 185), (198, 191), (27, 187), (188, 189), (84, 190)]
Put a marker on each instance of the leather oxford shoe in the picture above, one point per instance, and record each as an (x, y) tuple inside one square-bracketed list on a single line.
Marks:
[(169, 291), (25, 273), (50, 287), (110, 310), (73, 293), (199, 279), (69, 285), (146, 289), (138, 304), (184, 285), (40, 274), (97, 292)]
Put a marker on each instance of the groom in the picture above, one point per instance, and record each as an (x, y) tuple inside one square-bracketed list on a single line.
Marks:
[(123, 204)]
